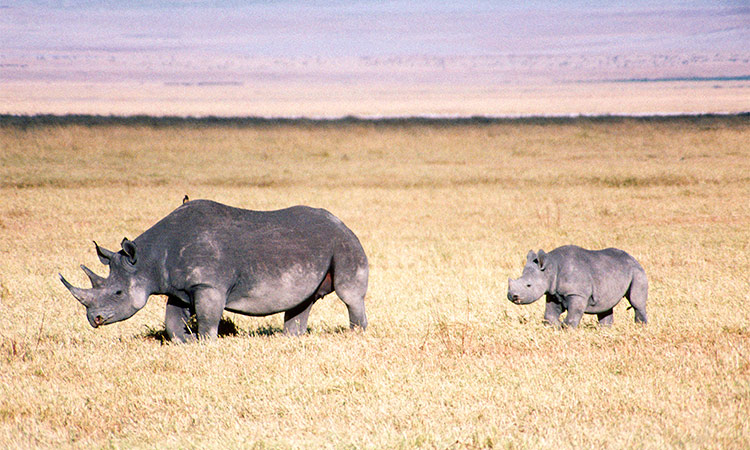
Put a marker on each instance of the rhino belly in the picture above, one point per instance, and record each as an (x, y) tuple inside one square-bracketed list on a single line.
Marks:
[(274, 293), (608, 293)]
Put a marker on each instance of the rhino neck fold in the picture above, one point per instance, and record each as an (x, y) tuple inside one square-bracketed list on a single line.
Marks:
[(552, 277), (149, 277), (162, 284)]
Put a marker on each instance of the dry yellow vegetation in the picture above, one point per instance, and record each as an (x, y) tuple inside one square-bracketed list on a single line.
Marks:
[(446, 213)]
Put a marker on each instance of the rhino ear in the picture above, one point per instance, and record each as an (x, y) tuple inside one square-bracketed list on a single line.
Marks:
[(128, 247), (103, 254), (531, 256), (541, 259)]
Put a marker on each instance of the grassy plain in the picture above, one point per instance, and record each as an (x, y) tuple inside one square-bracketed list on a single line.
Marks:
[(446, 214)]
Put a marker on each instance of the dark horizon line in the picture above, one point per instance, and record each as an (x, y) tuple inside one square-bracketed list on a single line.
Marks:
[(34, 120)]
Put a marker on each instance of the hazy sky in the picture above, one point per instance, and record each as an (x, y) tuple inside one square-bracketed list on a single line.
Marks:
[(336, 28), (384, 57)]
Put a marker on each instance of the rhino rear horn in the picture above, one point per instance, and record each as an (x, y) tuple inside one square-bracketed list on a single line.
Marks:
[(96, 280), (82, 295)]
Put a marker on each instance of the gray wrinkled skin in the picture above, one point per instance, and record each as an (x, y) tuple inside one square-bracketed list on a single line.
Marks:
[(207, 257), (581, 281)]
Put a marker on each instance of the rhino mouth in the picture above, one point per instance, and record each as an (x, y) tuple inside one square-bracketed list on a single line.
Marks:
[(520, 300), (98, 321)]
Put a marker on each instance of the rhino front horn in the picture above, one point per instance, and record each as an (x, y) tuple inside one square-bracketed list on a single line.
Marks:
[(82, 295)]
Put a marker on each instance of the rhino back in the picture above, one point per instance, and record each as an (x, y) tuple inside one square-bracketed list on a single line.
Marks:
[(207, 242), (602, 275)]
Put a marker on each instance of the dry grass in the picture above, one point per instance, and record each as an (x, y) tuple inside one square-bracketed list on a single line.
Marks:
[(446, 214)]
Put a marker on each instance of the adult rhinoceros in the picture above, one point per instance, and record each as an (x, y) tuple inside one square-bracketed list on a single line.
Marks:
[(207, 257)]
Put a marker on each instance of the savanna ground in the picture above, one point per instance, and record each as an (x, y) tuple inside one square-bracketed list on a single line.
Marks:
[(446, 213)]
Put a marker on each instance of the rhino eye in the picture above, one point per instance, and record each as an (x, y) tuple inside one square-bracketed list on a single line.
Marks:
[(528, 285), (118, 293)]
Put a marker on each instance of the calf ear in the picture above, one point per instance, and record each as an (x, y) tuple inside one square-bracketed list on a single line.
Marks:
[(542, 259), (103, 254), (531, 256), (128, 247)]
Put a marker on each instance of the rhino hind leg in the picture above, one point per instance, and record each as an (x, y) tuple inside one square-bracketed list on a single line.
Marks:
[(357, 315), (350, 284), (176, 321), (295, 320), (637, 295), (606, 318)]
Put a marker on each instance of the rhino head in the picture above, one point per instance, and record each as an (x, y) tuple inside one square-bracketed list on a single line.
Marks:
[(534, 280), (118, 296)]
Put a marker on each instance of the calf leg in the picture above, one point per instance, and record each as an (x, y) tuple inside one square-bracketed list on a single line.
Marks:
[(576, 307), (176, 319), (552, 311), (209, 306), (606, 318), (295, 320), (637, 296)]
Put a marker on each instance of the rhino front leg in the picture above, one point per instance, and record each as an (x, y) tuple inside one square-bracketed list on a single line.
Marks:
[(552, 311), (209, 306), (576, 307), (176, 320)]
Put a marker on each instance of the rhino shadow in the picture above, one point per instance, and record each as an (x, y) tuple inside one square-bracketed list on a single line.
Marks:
[(227, 327)]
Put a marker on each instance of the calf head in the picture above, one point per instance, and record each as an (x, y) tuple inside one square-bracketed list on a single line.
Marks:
[(118, 296), (534, 280)]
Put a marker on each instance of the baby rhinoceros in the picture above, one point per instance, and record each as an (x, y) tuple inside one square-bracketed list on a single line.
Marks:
[(207, 257), (581, 281)]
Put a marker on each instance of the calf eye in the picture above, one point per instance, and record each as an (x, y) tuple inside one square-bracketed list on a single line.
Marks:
[(528, 285), (118, 293)]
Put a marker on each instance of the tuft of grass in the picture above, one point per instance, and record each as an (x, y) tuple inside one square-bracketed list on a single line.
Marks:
[(636, 181)]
